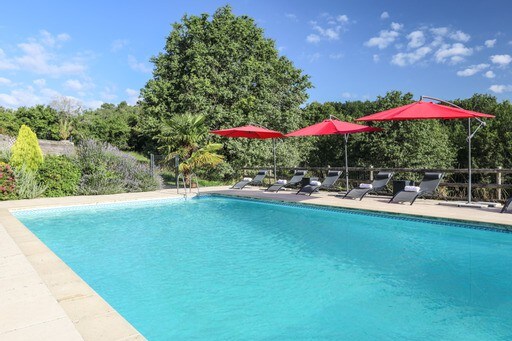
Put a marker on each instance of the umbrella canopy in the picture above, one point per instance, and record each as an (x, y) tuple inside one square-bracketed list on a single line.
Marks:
[(423, 111), (426, 111), (253, 132), (250, 132), (334, 127)]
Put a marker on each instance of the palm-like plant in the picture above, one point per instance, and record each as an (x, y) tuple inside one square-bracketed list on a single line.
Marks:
[(186, 135)]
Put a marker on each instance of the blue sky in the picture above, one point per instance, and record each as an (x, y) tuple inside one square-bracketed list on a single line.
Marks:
[(98, 51)]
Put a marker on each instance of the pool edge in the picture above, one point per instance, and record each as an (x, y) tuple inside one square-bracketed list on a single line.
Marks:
[(90, 314)]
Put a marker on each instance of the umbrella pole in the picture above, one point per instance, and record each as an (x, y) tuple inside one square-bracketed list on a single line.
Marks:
[(469, 160), (346, 162), (275, 166)]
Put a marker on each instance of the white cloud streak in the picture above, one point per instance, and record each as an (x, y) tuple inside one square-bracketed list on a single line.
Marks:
[(501, 60), (472, 70), (499, 89), (490, 43), (454, 53)]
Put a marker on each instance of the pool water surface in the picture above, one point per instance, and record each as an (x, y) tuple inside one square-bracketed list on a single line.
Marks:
[(222, 268)]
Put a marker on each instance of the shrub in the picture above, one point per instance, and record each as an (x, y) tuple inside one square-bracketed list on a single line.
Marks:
[(7, 182), (27, 185), (5, 155), (106, 170), (26, 152), (60, 175)]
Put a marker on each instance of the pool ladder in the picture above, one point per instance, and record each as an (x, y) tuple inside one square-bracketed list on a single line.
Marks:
[(182, 177)]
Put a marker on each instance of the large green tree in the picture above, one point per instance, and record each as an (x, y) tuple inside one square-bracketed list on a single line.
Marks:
[(109, 123), (223, 67)]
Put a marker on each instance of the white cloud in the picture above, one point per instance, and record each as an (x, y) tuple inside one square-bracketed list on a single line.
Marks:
[(74, 84), (342, 18), (20, 97), (489, 74), (50, 40), (108, 93), (439, 31), (133, 96), (460, 36), (5, 63), (454, 53), (118, 44), (403, 59), (37, 59), (5, 81), (330, 29), (138, 66), (472, 70), (499, 89), (416, 39), (40, 82), (490, 43), (501, 59), (313, 38), (396, 26), (385, 37), (384, 15), (376, 58)]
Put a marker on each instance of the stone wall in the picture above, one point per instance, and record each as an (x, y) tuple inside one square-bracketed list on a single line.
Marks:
[(48, 147)]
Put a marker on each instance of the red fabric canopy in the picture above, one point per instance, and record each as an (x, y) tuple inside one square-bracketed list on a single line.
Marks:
[(423, 111), (332, 127), (250, 132)]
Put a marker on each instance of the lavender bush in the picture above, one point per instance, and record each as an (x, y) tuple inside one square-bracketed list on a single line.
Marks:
[(107, 170)]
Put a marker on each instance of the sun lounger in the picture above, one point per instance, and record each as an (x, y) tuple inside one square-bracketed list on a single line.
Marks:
[(257, 181), (507, 206), (378, 184), (315, 186), (294, 181), (427, 186)]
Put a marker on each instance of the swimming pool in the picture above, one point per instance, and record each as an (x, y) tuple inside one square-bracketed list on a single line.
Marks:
[(224, 268)]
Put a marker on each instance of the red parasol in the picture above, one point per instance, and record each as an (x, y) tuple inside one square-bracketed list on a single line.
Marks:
[(427, 110), (253, 132), (250, 132), (334, 127)]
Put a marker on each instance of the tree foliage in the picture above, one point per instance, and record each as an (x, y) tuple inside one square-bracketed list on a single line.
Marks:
[(109, 123), (224, 68), (26, 152)]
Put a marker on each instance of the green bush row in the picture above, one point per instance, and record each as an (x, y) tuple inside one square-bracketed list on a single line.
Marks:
[(96, 169)]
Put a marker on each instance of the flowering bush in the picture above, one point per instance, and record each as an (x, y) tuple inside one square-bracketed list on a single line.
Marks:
[(7, 182), (106, 170)]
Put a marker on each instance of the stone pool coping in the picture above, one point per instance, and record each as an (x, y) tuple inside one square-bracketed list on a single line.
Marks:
[(42, 298)]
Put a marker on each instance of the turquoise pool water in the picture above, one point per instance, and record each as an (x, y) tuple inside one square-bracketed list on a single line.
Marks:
[(217, 268)]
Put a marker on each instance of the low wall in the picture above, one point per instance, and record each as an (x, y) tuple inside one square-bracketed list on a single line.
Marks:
[(48, 147)]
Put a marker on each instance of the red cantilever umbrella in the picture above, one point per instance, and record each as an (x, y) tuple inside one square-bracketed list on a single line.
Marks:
[(334, 127), (427, 110), (253, 132)]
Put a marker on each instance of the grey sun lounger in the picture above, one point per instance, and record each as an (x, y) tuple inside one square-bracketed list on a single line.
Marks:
[(379, 183), (507, 205), (332, 177), (294, 181), (257, 181), (428, 186)]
